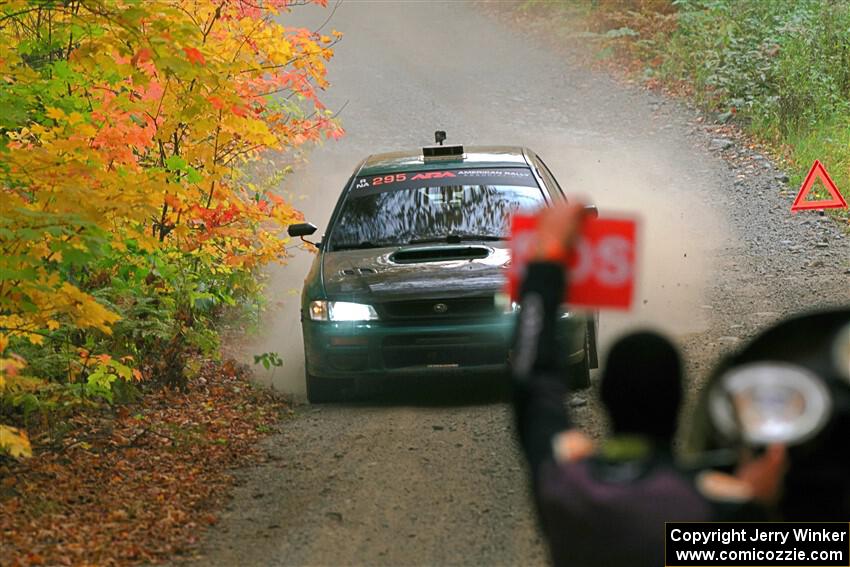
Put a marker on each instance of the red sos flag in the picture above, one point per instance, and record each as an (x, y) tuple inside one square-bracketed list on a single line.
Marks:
[(601, 268)]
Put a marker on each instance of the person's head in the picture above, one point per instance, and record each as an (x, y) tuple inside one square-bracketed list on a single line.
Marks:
[(642, 386)]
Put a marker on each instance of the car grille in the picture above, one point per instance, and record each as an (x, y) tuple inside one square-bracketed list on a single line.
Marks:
[(455, 349), (438, 309)]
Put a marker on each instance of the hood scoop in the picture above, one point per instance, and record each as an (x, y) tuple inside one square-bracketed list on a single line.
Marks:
[(357, 271), (439, 254)]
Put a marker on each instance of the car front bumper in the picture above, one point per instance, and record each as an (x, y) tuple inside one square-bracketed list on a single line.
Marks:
[(376, 349)]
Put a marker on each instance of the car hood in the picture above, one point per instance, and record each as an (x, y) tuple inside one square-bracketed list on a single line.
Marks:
[(420, 272)]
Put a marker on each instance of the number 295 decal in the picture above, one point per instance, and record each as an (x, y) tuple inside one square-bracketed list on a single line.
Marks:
[(386, 179)]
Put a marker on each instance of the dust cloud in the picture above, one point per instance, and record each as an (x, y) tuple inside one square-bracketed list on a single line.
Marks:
[(396, 91), (678, 236), (316, 187)]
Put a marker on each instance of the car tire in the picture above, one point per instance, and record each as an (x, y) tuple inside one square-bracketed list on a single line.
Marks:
[(322, 390), (579, 373), (593, 340)]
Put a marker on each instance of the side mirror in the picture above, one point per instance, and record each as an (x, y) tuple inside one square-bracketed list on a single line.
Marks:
[(592, 211), (301, 229)]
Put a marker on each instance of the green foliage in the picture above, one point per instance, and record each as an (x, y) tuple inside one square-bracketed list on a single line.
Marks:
[(780, 67), (268, 359), (132, 215), (781, 63), (621, 32)]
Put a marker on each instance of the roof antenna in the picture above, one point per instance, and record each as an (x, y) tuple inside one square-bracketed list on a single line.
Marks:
[(439, 136)]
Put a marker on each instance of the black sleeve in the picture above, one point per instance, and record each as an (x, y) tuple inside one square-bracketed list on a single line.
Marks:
[(538, 384)]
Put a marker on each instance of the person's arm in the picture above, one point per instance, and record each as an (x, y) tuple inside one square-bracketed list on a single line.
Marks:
[(538, 384), (538, 389), (752, 492)]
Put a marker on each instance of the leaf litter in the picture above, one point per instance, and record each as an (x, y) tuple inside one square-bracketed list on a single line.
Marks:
[(136, 483)]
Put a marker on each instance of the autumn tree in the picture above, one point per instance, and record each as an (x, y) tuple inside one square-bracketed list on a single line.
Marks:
[(127, 215)]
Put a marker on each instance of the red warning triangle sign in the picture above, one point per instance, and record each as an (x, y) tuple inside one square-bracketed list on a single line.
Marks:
[(818, 172)]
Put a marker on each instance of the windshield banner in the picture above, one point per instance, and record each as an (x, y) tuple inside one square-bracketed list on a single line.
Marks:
[(440, 178)]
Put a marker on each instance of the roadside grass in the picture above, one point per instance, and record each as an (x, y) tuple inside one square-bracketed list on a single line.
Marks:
[(780, 70), (830, 143)]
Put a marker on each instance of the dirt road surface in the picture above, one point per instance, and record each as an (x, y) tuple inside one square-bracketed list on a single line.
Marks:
[(428, 474)]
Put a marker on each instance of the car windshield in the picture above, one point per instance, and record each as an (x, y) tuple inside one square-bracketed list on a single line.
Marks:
[(423, 207)]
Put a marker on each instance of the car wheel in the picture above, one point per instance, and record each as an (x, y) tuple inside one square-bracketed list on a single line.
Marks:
[(579, 373), (323, 390)]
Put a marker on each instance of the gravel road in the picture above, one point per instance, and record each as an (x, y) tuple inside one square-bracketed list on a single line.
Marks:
[(428, 473)]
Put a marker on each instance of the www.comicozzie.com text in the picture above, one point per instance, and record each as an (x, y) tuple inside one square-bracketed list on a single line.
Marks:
[(724, 555)]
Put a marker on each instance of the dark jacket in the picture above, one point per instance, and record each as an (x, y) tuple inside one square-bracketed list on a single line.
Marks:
[(607, 510)]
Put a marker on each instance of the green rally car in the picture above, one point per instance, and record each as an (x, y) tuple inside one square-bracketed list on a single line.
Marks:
[(410, 274)]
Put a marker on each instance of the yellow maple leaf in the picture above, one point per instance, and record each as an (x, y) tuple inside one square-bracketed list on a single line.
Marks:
[(55, 113), (14, 442)]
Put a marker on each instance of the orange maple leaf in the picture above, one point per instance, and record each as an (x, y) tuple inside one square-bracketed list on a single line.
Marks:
[(142, 55), (216, 102), (194, 55)]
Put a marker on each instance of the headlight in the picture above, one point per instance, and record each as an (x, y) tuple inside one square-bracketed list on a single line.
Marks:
[(341, 311)]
